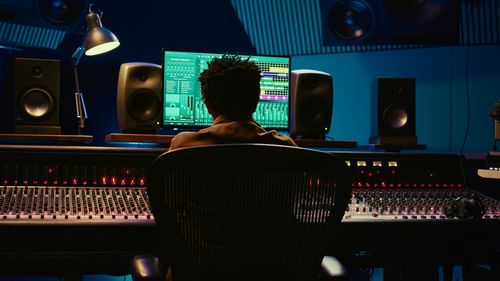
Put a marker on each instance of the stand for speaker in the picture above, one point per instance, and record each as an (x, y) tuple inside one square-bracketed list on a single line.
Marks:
[(325, 143), (120, 137), (46, 138), (166, 139)]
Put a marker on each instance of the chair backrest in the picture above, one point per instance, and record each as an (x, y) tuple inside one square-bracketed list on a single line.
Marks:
[(247, 211)]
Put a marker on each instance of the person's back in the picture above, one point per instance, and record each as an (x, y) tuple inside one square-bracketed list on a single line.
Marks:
[(230, 89)]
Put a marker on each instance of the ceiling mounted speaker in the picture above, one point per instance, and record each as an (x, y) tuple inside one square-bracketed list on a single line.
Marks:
[(62, 12), (351, 20), (378, 22), (139, 101), (40, 23)]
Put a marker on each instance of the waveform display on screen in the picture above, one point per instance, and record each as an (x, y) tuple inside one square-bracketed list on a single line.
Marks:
[(183, 103)]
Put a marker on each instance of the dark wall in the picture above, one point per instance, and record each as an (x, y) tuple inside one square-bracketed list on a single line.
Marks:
[(143, 28)]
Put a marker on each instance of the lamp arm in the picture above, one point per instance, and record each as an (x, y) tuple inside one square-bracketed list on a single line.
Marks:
[(81, 111)]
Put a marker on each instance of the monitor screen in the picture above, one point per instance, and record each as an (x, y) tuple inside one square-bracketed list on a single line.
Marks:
[(183, 104)]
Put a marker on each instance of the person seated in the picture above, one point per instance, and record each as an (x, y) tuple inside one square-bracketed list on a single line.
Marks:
[(230, 88)]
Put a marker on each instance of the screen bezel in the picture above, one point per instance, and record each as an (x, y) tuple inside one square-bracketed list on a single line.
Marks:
[(196, 128)]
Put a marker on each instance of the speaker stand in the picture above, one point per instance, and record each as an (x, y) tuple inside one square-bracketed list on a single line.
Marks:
[(378, 140), (37, 129)]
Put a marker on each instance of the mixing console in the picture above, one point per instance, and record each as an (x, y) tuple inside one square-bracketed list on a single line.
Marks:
[(65, 185), (42, 204), (413, 187)]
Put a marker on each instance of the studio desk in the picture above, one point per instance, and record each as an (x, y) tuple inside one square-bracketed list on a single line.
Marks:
[(86, 209)]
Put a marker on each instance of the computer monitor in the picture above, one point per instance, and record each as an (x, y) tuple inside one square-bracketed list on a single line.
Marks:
[(183, 106)]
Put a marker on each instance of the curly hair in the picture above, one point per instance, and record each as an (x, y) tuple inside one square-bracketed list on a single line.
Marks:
[(231, 85)]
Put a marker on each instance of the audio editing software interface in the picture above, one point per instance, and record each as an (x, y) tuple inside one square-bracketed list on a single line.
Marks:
[(183, 103)]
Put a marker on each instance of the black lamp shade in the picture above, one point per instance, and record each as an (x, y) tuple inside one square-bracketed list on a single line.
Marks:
[(99, 39)]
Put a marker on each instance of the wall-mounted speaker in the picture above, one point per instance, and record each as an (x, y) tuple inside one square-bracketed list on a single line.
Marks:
[(390, 22), (139, 99), (311, 103), (393, 111), (40, 23), (36, 91)]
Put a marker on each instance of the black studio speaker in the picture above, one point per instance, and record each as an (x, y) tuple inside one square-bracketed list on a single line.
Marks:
[(393, 111), (311, 103), (375, 22), (36, 96), (40, 23), (139, 99)]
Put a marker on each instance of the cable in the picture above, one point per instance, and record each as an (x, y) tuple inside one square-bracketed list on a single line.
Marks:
[(467, 90)]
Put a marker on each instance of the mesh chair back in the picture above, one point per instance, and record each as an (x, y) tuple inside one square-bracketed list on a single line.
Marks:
[(246, 211)]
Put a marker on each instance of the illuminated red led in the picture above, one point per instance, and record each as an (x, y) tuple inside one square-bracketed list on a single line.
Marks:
[(50, 170), (16, 182), (65, 182), (5, 182), (459, 185), (399, 185), (74, 181), (391, 185), (141, 182), (132, 182), (113, 181), (122, 182), (56, 182), (84, 182), (127, 171), (103, 180), (45, 182), (25, 182), (383, 184)]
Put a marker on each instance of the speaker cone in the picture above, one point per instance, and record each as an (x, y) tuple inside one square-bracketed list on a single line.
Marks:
[(62, 12), (143, 106), (395, 116), (36, 103), (313, 112), (350, 20)]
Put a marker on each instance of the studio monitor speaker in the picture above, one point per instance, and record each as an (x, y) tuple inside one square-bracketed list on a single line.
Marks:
[(36, 95), (139, 99), (390, 21), (311, 103), (393, 111)]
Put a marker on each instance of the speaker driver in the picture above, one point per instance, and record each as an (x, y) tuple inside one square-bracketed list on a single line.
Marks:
[(314, 112), (36, 103), (350, 20), (62, 12), (144, 106), (395, 116)]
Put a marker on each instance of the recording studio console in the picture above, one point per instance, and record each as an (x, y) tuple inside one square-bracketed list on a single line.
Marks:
[(92, 201), (392, 187), (53, 185)]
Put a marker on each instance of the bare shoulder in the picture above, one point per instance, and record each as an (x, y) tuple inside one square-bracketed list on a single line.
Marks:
[(183, 139)]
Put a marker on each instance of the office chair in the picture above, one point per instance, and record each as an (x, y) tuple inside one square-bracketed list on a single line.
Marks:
[(245, 212)]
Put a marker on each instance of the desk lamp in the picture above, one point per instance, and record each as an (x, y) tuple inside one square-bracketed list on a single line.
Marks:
[(99, 40)]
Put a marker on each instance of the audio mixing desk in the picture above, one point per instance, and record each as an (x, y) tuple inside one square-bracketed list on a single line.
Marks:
[(89, 206)]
